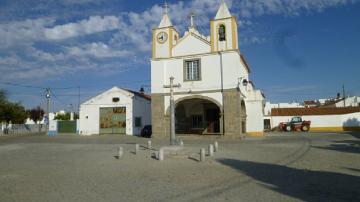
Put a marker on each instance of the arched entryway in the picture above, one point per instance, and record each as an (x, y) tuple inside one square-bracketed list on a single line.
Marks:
[(197, 115)]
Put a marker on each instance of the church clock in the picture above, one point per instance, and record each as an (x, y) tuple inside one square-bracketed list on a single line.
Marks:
[(162, 37)]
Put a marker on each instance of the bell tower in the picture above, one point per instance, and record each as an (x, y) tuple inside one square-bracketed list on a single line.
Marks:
[(164, 37), (224, 32)]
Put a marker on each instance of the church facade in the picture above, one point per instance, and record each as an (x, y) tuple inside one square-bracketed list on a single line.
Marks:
[(215, 95)]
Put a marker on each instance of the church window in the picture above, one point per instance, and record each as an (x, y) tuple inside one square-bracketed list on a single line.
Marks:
[(192, 71), (222, 33)]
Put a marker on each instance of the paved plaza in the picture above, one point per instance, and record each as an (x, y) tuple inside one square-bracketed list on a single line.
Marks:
[(278, 167)]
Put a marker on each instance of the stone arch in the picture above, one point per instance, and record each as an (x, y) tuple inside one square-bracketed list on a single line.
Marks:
[(197, 114), (193, 97)]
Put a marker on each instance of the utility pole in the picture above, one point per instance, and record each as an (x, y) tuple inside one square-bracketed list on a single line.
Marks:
[(343, 87), (48, 96), (79, 101), (172, 109)]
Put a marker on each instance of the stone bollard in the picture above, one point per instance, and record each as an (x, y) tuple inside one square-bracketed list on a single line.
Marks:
[(161, 155), (202, 154), (211, 150), (120, 152), (136, 148), (149, 144), (181, 143), (216, 146)]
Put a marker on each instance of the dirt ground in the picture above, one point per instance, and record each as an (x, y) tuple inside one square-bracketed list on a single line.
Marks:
[(278, 167)]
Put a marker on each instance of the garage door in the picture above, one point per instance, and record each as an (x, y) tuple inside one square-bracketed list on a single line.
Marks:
[(113, 120)]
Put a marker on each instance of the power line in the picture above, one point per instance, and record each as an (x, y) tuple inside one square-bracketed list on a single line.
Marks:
[(20, 85)]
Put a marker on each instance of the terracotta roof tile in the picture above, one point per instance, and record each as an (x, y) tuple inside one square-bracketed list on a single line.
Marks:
[(143, 95)]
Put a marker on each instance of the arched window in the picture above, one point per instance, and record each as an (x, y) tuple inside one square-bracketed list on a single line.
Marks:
[(222, 33)]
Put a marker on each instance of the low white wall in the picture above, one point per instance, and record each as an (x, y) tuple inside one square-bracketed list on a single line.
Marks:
[(254, 119), (323, 121)]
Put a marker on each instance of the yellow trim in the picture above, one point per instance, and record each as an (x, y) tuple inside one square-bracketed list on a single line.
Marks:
[(234, 33), (334, 129), (170, 41), (157, 37), (154, 44), (256, 134), (212, 36)]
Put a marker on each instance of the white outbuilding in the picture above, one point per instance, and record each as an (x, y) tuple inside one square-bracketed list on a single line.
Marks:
[(116, 111)]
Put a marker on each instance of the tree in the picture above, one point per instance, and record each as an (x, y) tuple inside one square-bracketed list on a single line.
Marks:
[(63, 117), (3, 102), (66, 116), (36, 114), (9, 111), (14, 112), (2, 96)]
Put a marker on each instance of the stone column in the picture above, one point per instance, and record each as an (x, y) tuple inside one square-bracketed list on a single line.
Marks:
[(232, 112)]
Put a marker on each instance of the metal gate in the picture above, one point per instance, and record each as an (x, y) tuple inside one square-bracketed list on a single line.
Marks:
[(113, 120), (67, 126)]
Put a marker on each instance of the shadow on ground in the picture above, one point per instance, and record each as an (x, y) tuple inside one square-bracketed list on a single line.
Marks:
[(301, 184), (350, 146)]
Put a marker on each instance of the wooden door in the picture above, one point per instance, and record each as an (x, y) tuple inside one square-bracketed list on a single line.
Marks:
[(113, 120)]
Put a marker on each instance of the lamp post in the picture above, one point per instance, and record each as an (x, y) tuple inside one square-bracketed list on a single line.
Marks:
[(48, 96)]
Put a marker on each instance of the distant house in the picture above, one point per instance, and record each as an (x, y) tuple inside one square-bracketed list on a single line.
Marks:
[(311, 103), (116, 111)]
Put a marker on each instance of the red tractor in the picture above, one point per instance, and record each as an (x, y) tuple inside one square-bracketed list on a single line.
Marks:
[(295, 124)]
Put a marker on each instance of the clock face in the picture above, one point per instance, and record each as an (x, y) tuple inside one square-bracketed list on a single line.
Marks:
[(162, 37)]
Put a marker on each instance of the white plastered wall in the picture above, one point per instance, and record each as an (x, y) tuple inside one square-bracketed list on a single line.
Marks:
[(322, 121), (233, 69), (254, 103), (197, 46)]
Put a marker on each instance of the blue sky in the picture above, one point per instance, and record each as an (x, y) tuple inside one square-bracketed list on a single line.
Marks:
[(297, 50)]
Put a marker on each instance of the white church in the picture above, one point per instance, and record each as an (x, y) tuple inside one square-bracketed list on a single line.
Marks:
[(215, 95)]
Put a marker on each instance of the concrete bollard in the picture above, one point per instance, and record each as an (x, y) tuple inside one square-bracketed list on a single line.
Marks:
[(202, 154), (149, 144), (216, 146), (211, 150), (161, 155), (136, 148), (120, 152)]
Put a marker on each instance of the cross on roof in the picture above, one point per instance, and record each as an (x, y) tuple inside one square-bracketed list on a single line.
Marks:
[(192, 15), (166, 7)]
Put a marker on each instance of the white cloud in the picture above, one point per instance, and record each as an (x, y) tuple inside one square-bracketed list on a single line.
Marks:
[(23, 32), (98, 50), (89, 26)]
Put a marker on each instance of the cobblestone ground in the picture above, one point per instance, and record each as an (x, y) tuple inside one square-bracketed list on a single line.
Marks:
[(279, 167)]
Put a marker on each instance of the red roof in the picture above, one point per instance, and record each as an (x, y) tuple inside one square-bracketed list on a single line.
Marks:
[(310, 102), (313, 111), (143, 95)]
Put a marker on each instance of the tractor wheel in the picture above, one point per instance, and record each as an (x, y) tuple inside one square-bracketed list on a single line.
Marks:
[(288, 128), (305, 128)]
